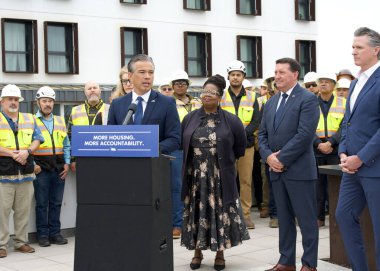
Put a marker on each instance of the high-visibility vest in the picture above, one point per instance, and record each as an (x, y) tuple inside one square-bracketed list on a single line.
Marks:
[(262, 101), (79, 115), (245, 111), (53, 144), (181, 109), (334, 118), (24, 139)]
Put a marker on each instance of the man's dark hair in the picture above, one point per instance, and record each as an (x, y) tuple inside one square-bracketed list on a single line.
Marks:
[(293, 64), (136, 58), (373, 36)]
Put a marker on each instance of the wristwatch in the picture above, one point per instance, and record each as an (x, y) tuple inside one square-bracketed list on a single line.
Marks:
[(29, 151)]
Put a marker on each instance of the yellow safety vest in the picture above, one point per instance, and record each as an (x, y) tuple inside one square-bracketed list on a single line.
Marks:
[(79, 115), (182, 111), (53, 144), (245, 111), (334, 118), (24, 136)]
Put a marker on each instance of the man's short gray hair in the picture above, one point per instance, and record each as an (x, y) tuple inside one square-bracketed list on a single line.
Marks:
[(373, 36), (136, 58)]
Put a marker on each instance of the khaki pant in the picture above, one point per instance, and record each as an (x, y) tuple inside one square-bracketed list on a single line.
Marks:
[(244, 169), (17, 197), (264, 178)]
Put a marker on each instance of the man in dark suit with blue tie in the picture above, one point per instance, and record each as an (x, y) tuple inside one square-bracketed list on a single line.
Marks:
[(359, 151), (286, 136), (152, 107)]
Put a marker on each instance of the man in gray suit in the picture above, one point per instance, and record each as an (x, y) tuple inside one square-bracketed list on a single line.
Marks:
[(286, 135)]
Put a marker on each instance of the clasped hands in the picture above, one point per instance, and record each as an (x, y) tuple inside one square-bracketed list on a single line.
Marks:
[(350, 164), (20, 156), (275, 164)]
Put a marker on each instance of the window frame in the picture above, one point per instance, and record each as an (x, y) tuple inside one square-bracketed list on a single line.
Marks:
[(141, 2), (144, 41), (311, 11), (207, 54), (312, 55), (207, 5), (257, 11), (74, 50), (258, 56), (34, 45)]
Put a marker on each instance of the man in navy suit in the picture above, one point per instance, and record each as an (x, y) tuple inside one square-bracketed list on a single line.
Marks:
[(286, 136), (156, 109), (359, 150)]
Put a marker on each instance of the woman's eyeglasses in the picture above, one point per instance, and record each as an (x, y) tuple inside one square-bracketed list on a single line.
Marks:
[(213, 93), (125, 81), (166, 89)]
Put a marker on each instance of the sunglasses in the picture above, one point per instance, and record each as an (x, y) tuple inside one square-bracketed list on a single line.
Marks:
[(166, 89), (309, 85)]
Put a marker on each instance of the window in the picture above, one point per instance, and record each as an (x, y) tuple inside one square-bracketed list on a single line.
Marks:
[(19, 45), (250, 53), (305, 10), (306, 56), (248, 7), (198, 54), (133, 41), (61, 48), (197, 4), (133, 1)]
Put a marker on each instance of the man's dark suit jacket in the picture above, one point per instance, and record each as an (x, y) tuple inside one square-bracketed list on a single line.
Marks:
[(231, 142), (293, 136), (361, 127), (160, 110)]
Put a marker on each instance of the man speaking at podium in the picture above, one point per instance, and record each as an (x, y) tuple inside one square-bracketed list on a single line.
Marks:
[(149, 107)]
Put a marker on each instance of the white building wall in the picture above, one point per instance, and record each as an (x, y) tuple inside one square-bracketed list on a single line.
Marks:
[(99, 25)]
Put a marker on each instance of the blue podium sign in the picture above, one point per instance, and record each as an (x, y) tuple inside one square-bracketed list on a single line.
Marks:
[(115, 141)]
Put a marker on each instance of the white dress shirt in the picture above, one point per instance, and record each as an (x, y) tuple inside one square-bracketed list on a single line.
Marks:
[(288, 92), (145, 99), (362, 79)]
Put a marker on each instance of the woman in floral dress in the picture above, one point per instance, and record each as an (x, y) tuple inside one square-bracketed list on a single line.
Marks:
[(212, 140)]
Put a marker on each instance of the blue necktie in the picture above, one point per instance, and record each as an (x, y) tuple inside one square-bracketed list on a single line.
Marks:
[(280, 110), (139, 112)]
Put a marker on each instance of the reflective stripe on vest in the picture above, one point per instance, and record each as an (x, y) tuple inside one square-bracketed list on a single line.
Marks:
[(334, 118), (24, 134), (79, 115), (59, 134), (245, 111), (181, 109)]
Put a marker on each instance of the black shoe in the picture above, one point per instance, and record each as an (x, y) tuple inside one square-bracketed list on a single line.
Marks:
[(43, 241), (58, 240)]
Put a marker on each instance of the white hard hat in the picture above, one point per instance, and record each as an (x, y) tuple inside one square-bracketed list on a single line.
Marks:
[(247, 83), (310, 77), (180, 75), (45, 92), (11, 91), (343, 83), (327, 75), (264, 83), (236, 65)]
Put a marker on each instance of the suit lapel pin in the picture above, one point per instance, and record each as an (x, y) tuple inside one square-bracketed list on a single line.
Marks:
[(153, 101), (293, 95)]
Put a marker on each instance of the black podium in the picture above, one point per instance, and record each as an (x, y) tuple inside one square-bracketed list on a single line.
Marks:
[(123, 214)]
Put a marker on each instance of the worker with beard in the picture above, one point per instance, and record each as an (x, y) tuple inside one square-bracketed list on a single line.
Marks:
[(52, 165), (242, 103), (93, 112)]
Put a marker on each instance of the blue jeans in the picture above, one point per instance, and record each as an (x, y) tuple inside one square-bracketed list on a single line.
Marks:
[(176, 188), (48, 191)]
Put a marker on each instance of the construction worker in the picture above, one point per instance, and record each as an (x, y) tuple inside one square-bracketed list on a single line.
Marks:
[(20, 137), (244, 104), (185, 103), (327, 136), (52, 165), (248, 85), (310, 82), (342, 87), (93, 112), (345, 73)]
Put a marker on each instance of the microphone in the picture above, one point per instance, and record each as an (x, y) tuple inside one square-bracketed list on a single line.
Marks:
[(131, 109)]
